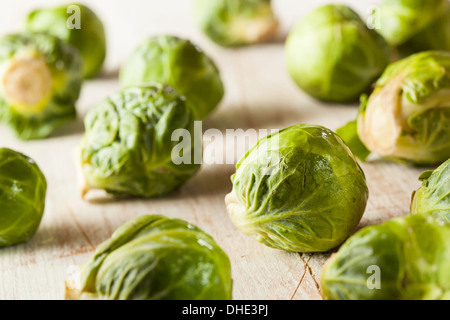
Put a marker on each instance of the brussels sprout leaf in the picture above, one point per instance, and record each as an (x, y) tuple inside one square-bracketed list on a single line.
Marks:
[(349, 134)]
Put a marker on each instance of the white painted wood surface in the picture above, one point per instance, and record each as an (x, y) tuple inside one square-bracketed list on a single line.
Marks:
[(259, 95)]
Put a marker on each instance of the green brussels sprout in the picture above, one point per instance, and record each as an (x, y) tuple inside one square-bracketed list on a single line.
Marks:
[(407, 115), (433, 197), (403, 259), (127, 147), (232, 23), (333, 56), (22, 197), (41, 79), (415, 25), (348, 133), (180, 64), (77, 25), (153, 257), (299, 189)]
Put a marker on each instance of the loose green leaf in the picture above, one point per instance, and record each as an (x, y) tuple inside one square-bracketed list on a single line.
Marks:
[(22, 197)]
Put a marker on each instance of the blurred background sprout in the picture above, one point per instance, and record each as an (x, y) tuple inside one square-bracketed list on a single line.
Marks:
[(153, 257), (127, 147), (303, 192)]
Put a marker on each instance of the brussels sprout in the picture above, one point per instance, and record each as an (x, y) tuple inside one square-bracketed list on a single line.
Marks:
[(127, 147), (156, 258), (180, 64), (407, 115), (40, 82), (434, 195), (299, 189), (415, 25), (333, 56), (78, 25), (236, 22), (402, 259), (22, 197)]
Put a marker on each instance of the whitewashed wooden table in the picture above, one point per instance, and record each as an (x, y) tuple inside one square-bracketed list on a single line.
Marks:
[(259, 95)]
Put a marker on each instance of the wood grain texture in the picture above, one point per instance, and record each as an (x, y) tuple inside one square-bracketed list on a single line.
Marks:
[(259, 95)]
